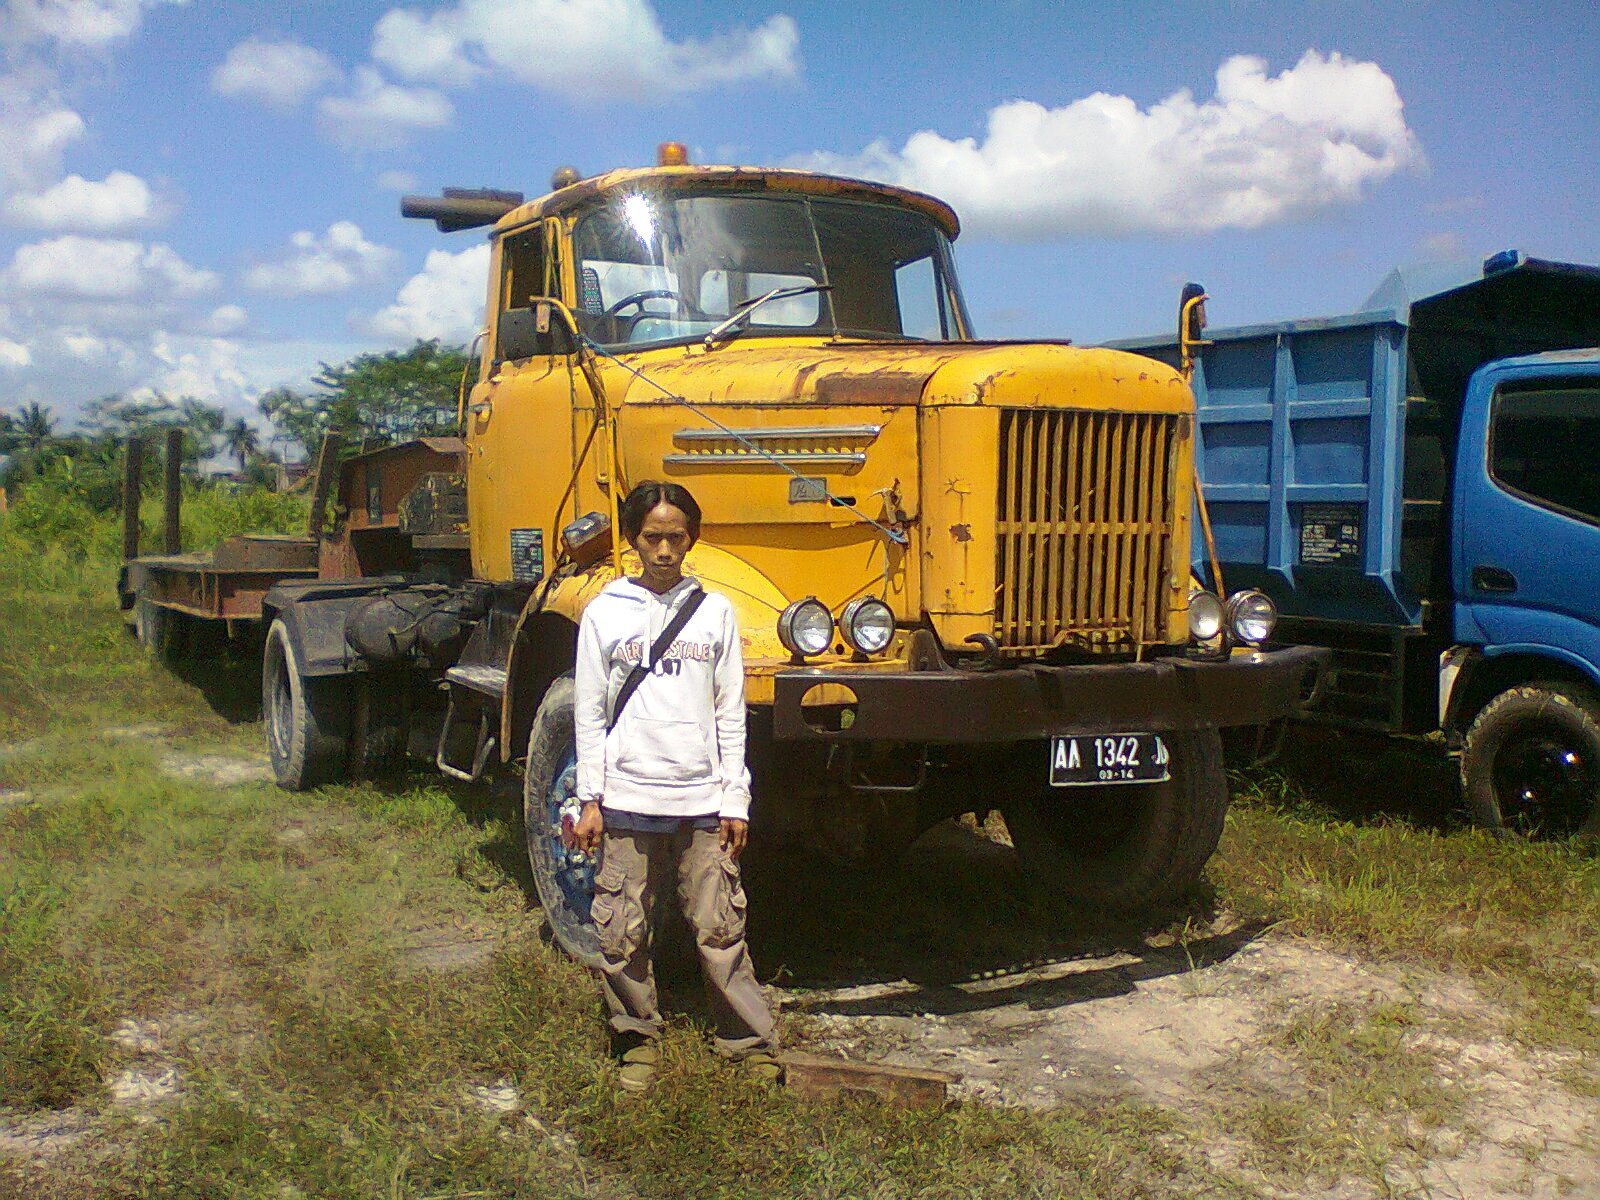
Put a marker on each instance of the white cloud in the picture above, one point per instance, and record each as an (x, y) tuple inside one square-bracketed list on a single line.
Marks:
[(336, 262), (278, 74), (100, 269), (445, 301), (14, 354), (36, 130), (429, 47), (205, 368), (588, 50), (225, 319), (118, 201), (398, 181), (379, 115), (82, 24), (1262, 149)]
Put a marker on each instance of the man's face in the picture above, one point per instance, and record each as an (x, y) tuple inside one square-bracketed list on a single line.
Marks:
[(663, 541)]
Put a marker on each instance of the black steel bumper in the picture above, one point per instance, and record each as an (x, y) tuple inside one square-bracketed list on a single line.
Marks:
[(1022, 703)]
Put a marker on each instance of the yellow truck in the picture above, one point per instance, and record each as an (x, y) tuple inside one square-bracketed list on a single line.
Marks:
[(961, 567)]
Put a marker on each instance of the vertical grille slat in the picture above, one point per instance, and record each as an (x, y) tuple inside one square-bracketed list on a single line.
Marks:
[(1085, 527)]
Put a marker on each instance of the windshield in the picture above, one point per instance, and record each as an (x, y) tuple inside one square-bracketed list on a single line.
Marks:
[(655, 269)]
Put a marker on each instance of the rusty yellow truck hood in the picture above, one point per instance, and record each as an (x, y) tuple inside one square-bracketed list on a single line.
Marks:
[(804, 372)]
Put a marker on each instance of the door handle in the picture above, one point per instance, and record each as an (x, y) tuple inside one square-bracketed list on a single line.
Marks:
[(1493, 579)]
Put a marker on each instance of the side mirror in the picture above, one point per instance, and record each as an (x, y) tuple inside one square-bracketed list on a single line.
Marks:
[(539, 331), (1192, 312)]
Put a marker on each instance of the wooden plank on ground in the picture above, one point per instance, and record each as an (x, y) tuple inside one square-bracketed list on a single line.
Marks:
[(817, 1077)]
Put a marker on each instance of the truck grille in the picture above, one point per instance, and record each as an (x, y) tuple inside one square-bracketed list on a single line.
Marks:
[(1086, 515)]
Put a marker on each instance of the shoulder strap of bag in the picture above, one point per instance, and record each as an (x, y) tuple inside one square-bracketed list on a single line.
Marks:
[(640, 670)]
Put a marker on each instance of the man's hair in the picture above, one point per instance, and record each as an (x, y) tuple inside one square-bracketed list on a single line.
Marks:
[(647, 495)]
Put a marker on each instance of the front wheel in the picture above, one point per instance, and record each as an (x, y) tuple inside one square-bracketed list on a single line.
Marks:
[(1531, 766), (306, 719), (1124, 846), (564, 878)]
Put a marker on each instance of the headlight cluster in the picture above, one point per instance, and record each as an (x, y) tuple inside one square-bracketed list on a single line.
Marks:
[(1247, 619), (806, 627)]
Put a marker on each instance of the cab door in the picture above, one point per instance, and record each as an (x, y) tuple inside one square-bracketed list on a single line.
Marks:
[(520, 424), (1527, 520)]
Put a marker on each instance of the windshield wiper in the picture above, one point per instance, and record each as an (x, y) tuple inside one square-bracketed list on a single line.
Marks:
[(731, 328)]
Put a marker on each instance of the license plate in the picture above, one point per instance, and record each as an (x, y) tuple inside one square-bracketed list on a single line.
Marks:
[(1108, 758)]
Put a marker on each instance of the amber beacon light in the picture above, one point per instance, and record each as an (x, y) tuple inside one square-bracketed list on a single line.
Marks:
[(672, 154)]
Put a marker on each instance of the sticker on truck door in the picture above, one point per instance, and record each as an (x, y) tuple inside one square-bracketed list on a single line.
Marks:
[(527, 555), (1330, 535), (1085, 761)]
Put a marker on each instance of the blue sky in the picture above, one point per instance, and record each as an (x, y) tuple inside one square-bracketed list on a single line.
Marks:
[(201, 197)]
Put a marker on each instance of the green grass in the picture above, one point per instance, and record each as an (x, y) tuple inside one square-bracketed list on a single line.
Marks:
[(272, 936), (1521, 920), (1340, 1089)]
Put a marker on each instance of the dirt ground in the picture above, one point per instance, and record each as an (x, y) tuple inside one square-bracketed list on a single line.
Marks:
[(1195, 1029)]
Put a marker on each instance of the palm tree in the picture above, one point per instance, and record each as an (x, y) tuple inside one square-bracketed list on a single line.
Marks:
[(241, 439), (35, 426)]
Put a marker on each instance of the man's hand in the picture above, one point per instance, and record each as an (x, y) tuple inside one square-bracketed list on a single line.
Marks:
[(735, 833), (591, 824)]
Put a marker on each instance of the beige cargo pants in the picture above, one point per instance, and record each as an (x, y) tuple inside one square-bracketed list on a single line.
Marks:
[(711, 896)]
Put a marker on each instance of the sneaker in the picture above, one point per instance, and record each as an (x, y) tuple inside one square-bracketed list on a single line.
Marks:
[(638, 1069), (762, 1066)]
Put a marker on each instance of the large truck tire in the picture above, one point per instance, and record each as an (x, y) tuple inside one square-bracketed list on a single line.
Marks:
[(1531, 766), (1125, 847), (564, 879), (306, 720)]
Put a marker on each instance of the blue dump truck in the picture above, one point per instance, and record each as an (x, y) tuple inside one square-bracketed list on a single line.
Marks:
[(1417, 487)]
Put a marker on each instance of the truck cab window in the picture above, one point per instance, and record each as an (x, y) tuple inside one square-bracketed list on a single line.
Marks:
[(524, 269), (656, 269), (1544, 444)]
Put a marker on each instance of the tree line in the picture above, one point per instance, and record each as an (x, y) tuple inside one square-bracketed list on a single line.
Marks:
[(371, 400)]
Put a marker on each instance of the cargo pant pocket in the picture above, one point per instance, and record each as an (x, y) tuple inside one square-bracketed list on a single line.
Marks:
[(619, 934), (728, 926)]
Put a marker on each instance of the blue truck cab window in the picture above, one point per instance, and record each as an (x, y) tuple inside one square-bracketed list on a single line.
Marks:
[(1544, 444)]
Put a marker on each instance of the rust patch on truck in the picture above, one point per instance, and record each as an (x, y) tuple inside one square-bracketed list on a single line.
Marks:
[(961, 533), (888, 388)]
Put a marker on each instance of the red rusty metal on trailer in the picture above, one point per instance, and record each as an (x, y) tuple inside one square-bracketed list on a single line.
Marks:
[(230, 582)]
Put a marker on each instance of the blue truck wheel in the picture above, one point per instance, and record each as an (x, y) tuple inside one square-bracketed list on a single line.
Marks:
[(1531, 766), (564, 879)]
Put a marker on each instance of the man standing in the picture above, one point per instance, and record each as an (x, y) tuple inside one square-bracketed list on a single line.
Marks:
[(660, 728)]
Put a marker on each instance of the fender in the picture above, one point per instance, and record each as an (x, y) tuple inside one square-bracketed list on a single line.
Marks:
[(546, 636), (1517, 663), (313, 616)]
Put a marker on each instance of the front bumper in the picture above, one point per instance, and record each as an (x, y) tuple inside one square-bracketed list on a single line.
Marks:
[(1036, 701)]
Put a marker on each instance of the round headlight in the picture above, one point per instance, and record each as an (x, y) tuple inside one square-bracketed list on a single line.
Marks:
[(805, 627), (1205, 616), (867, 624), (1252, 616)]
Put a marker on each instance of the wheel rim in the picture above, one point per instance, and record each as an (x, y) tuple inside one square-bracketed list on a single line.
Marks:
[(280, 708), (1544, 783), (573, 871)]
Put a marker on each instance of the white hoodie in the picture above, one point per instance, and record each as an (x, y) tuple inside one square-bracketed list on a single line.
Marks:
[(678, 749)]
